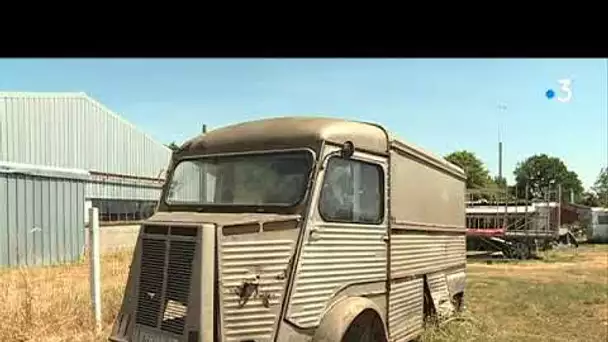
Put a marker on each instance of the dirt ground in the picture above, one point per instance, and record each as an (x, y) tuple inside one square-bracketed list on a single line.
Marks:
[(561, 298)]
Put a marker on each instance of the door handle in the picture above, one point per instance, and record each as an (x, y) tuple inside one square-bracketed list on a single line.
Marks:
[(313, 234)]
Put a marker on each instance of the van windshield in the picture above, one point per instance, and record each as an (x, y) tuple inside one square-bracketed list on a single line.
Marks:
[(271, 179)]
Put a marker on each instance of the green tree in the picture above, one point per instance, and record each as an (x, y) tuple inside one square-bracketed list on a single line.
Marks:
[(600, 187), (173, 146), (477, 174), (590, 199), (500, 182), (542, 173)]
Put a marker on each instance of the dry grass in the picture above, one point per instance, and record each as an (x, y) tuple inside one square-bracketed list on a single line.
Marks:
[(53, 304), (563, 298)]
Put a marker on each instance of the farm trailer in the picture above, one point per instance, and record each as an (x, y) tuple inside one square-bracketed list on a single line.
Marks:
[(498, 221)]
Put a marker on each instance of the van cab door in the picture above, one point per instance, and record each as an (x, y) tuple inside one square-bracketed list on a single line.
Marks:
[(344, 251)]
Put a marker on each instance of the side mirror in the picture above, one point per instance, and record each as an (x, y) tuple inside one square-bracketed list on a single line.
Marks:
[(348, 149)]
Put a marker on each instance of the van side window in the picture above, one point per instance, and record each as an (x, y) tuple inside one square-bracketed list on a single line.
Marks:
[(602, 219), (353, 192)]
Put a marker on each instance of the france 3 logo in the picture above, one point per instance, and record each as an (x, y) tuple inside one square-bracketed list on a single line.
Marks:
[(565, 91)]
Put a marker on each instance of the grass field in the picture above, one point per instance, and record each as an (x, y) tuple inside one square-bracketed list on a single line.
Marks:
[(561, 298)]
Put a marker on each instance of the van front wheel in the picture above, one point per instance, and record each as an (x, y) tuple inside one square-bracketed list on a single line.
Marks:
[(366, 327)]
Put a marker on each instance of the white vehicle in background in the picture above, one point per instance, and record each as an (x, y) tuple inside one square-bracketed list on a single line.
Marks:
[(597, 231)]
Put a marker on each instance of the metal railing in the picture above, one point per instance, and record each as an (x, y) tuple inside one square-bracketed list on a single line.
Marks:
[(501, 208)]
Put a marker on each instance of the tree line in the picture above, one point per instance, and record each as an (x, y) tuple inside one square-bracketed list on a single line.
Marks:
[(534, 174)]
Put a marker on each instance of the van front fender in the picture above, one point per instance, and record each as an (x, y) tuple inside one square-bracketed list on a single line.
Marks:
[(339, 316)]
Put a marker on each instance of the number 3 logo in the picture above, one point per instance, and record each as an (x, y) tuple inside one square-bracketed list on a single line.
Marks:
[(566, 89)]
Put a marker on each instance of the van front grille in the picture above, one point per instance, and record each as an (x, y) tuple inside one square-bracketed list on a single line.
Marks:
[(150, 281), (179, 272), (164, 281)]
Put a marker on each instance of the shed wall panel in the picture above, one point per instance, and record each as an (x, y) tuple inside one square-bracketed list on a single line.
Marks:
[(40, 220), (71, 130), (99, 190), (4, 219)]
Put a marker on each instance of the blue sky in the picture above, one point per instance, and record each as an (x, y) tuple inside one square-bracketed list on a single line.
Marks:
[(439, 104)]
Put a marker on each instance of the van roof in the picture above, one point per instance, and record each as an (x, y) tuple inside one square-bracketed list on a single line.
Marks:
[(289, 132), (301, 131)]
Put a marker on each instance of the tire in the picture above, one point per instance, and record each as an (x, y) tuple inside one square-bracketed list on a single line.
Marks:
[(366, 327), (521, 250), (518, 250)]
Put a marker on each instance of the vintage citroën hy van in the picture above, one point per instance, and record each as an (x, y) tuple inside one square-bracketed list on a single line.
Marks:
[(298, 229)]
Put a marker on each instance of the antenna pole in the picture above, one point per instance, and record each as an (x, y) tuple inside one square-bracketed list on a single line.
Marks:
[(502, 108)]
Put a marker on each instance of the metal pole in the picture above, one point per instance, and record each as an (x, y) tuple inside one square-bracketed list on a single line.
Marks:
[(505, 197), (572, 196), (516, 220), (559, 206), (548, 202), (95, 268), (203, 177), (527, 225), (502, 108), (500, 160)]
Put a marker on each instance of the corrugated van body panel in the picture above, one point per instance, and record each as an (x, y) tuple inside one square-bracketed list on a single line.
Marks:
[(427, 236), (439, 288), (415, 253), (428, 217), (341, 255), (335, 256), (266, 255), (406, 308)]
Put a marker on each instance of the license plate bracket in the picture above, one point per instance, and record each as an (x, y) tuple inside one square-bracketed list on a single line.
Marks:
[(152, 335)]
